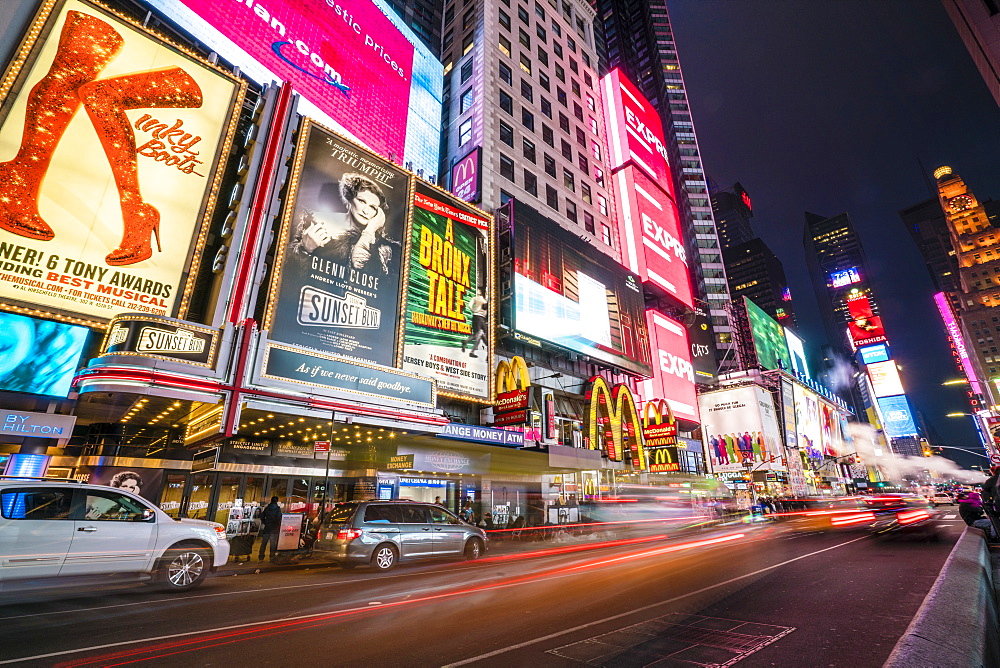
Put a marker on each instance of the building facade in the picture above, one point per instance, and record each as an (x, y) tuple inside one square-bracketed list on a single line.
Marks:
[(637, 38), (756, 273), (977, 22), (733, 210)]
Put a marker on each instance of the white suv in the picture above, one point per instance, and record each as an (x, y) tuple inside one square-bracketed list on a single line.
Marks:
[(58, 529)]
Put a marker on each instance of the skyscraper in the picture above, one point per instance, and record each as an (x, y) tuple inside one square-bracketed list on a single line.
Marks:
[(756, 273), (733, 211), (977, 22), (975, 241), (638, 39), (927, 225), (837, 268), (424, 18)]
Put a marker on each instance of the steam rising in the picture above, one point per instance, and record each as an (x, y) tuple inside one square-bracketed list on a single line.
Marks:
[(873, 449)]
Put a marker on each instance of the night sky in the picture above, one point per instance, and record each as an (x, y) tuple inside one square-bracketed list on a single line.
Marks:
[(833, 106)]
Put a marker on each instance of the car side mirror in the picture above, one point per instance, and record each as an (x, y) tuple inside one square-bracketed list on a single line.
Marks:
[(147, 515)]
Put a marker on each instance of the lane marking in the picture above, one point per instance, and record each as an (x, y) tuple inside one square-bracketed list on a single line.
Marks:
[(644, 608), (950, 517), (318, 617)]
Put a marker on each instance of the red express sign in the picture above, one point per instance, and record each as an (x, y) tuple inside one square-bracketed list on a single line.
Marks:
[(635, 133), (673, 373), (653, 246)]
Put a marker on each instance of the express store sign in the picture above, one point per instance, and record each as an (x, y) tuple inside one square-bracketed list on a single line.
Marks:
[(652, 234), (673, 373), (635, 132)]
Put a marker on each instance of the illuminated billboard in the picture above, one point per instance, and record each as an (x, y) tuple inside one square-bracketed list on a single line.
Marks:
[(635, 133), (808, 422), (839, 279), (651, 233), (876, 353), (361, 68), (797, 354), (885, 378), (448, 332), (897, 419), (467, 177), (335, 287), (107, 131), (865, 327), (571, 294), (39, 356), (673, 373), (768, 338), (740, 430), (955, 334)]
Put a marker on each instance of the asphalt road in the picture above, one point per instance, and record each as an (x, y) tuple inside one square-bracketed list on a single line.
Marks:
[(757, 595)]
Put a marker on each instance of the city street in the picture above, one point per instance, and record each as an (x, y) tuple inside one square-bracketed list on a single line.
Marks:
[(756, 594)]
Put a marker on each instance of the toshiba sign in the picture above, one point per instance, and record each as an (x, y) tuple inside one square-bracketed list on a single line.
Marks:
[(673, 373)]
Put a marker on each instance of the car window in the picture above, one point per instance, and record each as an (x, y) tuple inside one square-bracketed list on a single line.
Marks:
[(113, 507), (412, 514), (341, 513), (442, 516), (47, 503), (381, 513)]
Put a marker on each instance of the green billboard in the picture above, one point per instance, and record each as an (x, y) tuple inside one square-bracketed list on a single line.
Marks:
[(768, 338)]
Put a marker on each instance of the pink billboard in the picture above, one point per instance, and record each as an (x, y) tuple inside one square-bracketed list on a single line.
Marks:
[(466, 177), (635, 133), (347, 58), (955, 334), (650, 230), (673, 373)]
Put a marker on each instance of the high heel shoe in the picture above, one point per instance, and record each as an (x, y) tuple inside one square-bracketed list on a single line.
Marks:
[(140, 219), (106, 102), (86, 45)]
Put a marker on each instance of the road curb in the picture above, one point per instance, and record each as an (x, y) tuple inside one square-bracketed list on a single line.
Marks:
[(956, 625), (266, 567)]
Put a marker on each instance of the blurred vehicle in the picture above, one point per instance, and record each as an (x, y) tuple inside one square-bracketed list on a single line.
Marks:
[(68, 530), (902, 514), (383, 533), (942, 499), (826, 514)]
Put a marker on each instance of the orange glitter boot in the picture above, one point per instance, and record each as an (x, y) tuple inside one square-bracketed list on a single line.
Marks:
[(86, 45), (106, 102)]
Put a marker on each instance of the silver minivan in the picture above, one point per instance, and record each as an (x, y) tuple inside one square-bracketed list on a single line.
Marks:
[(382, 533)]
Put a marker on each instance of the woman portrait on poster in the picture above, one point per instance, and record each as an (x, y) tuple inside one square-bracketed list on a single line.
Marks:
[(355, 237)]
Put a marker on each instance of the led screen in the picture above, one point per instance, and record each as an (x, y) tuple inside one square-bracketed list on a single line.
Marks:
[(876, 353), (797, 354), (357, 65), (896, 417), (865, 327), (570, 294), (740, 425), (635, 133), (38, 356), (107, 186), (885, 378), (955, 334), (651, 234), (768, 338), (673, 373), (839, 279), (808, 422)]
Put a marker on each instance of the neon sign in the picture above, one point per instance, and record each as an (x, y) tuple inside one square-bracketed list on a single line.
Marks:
[(612, 423), (839, 279)]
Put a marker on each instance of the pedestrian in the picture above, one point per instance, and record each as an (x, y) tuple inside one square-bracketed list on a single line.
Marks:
[(467, 515), (991, 505), (270, 527), (437, 500), (970, 506)]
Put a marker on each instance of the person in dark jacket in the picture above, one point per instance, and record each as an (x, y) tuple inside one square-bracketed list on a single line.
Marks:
[(270, 527), (991, 505), (970, 506)]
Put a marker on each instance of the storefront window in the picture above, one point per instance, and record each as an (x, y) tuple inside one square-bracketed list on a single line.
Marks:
[(299, 500), (254, 493), (229, 489), (201, 494), (279, 488), (173, 494)]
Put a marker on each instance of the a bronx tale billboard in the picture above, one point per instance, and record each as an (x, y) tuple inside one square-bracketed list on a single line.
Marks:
[(111, 143)]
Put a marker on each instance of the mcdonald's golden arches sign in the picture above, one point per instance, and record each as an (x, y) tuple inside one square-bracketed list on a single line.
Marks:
[(513, 392), (659, 430), (611, 423)]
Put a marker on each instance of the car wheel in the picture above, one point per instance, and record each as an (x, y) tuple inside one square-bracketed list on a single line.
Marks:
[(183, 567), (474, 549), (384, 558)]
